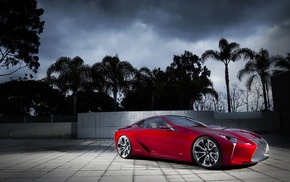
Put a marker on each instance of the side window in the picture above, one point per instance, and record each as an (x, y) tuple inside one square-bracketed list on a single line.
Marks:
[(149, 123), (162, 123), (154, 123), (140, 124)]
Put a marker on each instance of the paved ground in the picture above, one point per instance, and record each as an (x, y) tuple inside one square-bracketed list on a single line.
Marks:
[(97, 160)]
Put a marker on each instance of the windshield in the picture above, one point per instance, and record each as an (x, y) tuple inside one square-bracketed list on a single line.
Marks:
[(184, 121)]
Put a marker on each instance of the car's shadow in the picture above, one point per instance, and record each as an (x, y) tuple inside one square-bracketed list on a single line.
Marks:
[(190, 165)]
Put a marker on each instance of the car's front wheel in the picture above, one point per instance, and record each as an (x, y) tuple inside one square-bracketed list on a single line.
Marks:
[(207, 153), (124, 147)]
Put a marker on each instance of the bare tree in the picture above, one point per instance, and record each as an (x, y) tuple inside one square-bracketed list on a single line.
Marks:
[(211, 103), (205, 103), (236, 99), (256, 98), (221, 102), (245, 94)]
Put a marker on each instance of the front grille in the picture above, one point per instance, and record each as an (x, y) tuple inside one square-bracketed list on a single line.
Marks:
[(262, 151)]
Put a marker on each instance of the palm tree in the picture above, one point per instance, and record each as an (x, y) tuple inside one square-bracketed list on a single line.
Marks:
[(114, 74), (260, 67), (69, 75), (229, 52), (152, 81), (98, 78)]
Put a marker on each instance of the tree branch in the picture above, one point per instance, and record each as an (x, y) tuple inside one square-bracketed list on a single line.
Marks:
[(20, 67)]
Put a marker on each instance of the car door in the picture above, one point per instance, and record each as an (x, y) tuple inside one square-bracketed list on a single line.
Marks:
[(159, 139)]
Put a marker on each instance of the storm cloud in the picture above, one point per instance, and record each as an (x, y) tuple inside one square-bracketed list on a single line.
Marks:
[(149, 32)]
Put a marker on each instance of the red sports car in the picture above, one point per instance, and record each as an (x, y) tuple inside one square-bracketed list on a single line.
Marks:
[(185, 139)]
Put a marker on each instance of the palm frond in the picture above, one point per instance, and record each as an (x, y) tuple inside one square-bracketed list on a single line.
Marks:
[(249, 82), (210, 54)]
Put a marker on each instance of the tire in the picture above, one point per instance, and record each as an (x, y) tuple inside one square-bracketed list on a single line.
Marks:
[(124, 147), (207, 153)]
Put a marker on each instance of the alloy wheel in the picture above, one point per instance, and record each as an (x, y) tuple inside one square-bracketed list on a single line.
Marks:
[(124, 147), (207, 153)]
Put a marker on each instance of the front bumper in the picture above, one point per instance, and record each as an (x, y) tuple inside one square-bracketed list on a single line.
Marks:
[(241, 153), (262, 151)]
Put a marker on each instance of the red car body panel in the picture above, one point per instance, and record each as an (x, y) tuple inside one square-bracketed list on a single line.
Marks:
[(177, 144)]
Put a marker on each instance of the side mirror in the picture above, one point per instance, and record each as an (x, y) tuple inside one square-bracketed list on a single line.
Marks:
[(167, 128)]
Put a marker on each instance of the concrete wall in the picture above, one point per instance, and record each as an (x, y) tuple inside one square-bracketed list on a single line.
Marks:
[(38, 119), (253, 121), (104, 124), (38, 130)]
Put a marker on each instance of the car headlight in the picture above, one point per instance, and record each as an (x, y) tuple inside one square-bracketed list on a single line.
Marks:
[(231, 139)]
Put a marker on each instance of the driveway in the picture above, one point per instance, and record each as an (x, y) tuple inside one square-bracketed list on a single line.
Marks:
[(96, 160)]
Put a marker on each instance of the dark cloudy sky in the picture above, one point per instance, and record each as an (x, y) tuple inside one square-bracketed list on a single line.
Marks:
[(149, 32)]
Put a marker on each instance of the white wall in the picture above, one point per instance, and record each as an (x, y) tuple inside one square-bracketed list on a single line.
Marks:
[(38, 130), (104, 124)]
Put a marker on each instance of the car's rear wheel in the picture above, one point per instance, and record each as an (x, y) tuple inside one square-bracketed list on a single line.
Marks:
[(207, 153), (124, 147)]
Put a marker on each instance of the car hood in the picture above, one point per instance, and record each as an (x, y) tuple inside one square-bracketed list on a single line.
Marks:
[(232, 132), (235, 131)]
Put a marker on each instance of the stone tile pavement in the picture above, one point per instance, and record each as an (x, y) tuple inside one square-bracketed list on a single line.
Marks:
[(97, 160)]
